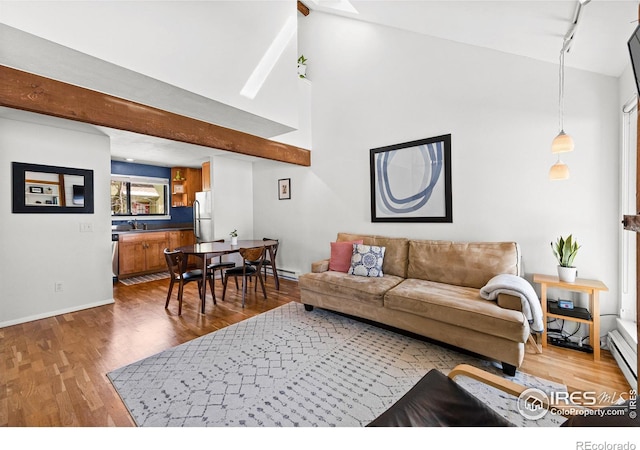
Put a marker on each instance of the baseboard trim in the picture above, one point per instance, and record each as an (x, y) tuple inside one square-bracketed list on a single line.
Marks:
[(59, 312)]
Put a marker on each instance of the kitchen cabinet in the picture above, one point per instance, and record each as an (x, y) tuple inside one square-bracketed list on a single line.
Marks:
[(180, 238), (185, 182), (142, 252), (206, 176)]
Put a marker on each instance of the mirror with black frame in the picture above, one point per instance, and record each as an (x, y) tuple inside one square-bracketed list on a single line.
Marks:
[(39, 188)]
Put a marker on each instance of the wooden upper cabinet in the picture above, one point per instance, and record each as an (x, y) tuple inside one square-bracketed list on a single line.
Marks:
[(206, 176), (194, 184), (185, 182)]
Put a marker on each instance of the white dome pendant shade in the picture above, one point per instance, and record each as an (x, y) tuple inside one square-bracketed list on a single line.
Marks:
[(559, 171), (562, 143)]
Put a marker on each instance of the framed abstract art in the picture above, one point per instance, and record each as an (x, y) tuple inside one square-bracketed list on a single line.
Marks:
[(411, 182)]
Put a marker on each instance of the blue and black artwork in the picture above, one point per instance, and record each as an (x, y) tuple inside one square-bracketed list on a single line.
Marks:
[(411, 182), (432, 157)]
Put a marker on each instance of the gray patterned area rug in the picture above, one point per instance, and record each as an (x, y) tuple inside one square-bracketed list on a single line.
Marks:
[(292, 368)]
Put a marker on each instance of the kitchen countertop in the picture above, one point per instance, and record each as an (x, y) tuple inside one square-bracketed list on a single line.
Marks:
[(118, 229)]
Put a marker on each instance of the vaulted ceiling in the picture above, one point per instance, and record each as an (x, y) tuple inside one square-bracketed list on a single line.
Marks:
[(533, 29)]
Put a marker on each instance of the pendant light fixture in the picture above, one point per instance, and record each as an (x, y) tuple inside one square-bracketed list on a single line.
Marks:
[(563, 142)]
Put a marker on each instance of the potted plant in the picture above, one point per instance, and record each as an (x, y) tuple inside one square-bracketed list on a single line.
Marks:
[(302, 67), (234, 237), (565, 251)]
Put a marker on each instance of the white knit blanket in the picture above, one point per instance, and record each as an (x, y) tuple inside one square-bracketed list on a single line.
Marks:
[(518, 287)]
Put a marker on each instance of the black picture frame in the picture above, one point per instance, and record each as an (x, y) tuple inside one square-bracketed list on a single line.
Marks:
[(284, 189), (74, 185), (411, 181)]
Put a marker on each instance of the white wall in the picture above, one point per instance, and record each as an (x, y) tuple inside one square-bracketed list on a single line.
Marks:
[(209, 48), (273, 217), (374, 86), (42, 249), (232, 184)]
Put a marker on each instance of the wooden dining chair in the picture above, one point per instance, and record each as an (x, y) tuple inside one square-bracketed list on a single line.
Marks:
[(268, 262), (176, 264), (246, 271), (215, 266)]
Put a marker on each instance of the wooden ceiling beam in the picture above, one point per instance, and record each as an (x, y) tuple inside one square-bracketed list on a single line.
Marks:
[(304, 10), (35, 93)]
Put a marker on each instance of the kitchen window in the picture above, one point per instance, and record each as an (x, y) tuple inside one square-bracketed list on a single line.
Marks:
[(139, 196)]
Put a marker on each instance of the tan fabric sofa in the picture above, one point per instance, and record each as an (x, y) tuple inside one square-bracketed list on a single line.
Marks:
[(431, 288)]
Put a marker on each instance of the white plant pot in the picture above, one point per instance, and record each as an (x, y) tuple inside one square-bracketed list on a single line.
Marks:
[(567, 274), (234, 240), (302, 71)]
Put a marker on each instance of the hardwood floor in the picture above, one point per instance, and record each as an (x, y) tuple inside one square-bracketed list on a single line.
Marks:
[(53, 371)]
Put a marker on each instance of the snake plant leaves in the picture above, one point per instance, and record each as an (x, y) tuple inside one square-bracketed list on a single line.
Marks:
[(565, 250)]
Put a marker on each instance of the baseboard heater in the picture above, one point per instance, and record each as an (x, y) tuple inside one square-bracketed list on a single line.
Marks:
[(287, 274), (623, 346)]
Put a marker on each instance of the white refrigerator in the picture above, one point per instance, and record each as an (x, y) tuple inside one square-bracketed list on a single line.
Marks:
[(202, 216)]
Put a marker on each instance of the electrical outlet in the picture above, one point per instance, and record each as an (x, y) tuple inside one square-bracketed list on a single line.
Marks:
[(58, 286), (86, 227)]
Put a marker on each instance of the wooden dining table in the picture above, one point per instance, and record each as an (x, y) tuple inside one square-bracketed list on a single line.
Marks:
[(204, 251)]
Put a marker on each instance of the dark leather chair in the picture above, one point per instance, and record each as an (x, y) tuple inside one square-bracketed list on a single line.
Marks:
[(438, 401), (215, 266), (176, 263), (247, 271), (267, 262)]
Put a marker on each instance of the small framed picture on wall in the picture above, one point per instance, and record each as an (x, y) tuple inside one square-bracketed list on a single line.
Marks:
[(284, 189)]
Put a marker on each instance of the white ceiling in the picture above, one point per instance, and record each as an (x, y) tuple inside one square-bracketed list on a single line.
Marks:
[(162, 152), (533, 29)]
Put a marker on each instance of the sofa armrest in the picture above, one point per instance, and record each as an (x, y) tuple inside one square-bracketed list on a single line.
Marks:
[(507, 301), (320, 266)]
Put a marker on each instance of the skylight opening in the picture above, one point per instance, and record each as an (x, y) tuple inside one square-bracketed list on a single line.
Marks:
[(269, 59)]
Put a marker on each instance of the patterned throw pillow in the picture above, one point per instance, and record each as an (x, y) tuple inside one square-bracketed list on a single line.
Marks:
[(366, 260)]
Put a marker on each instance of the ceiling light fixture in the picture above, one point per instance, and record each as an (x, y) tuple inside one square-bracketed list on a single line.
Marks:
[(559, 171), (563, 142)]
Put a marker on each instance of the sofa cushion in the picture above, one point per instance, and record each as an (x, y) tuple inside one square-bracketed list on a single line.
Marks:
[(470, 264), (396, 253), (366, 261), (349, 287), (341, 253), (457, 305)]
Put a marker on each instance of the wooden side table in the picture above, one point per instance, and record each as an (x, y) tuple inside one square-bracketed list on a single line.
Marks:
[(591, 287)]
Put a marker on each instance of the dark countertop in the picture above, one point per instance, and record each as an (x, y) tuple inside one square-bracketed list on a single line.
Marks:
[(150, 230), (125, 229)]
